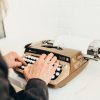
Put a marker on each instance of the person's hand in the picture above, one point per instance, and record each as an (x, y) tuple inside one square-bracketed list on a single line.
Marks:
[(43, 68), (14, 60)]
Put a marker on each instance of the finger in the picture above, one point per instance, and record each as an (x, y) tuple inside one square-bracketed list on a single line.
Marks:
[(49, 57), (42, 57), (17, 64), (53, 60), (21, 60), (55, 66)]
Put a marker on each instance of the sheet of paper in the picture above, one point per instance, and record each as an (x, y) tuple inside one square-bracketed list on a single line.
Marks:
[(74, 42)]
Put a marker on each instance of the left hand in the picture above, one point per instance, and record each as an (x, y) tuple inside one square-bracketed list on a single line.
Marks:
[(14, 60)]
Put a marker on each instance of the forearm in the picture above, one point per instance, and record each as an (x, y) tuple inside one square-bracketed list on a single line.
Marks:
[(35, 89)]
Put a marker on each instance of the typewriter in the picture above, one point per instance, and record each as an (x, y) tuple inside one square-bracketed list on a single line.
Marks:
[(71, 61), (93, 51)]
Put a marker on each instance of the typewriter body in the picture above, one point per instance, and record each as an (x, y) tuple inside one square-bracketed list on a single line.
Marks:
[(71, 61)]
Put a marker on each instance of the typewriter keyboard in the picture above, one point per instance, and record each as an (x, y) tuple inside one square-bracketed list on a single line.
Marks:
[(31, 60)]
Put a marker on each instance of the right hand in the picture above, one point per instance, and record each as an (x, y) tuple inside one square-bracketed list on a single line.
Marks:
[(43, 68)]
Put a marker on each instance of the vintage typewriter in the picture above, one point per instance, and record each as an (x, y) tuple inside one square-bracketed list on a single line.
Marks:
[(72, 61)]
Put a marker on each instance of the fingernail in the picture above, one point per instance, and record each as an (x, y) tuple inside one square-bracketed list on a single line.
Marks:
[(51, 54), (55, 57), (44, 54)]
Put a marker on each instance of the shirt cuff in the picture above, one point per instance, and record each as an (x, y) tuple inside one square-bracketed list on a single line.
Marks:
[(35, 82)]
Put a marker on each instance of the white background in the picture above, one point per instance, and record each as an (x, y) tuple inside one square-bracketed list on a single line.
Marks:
[(79, 17)]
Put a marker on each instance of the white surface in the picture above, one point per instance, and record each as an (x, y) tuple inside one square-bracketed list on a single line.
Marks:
[(86, 86), (75, 17)]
